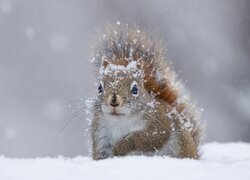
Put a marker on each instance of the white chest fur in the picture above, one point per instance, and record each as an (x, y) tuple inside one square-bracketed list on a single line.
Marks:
[(118, 127)]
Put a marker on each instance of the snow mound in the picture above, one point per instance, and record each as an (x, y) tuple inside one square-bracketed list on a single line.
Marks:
[(219, 161)]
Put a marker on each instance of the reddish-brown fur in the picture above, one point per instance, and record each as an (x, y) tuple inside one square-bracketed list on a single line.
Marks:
[(123, 45), (162, 90)]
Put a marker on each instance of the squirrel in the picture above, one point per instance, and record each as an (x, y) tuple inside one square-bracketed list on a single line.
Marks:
[(139, 109)]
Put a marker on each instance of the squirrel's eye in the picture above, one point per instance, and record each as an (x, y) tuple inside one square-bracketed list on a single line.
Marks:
[(100, 88), (134, 89)]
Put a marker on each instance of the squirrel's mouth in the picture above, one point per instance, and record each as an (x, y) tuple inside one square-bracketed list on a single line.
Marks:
[(115, 112)]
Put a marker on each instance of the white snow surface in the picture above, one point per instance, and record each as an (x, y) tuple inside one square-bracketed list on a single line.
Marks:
[(219, 161)]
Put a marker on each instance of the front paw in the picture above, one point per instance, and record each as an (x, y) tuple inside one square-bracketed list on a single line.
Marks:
[(101, 155), (97, 157)]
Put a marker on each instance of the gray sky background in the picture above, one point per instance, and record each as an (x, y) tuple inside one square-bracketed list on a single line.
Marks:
[(44, 64)]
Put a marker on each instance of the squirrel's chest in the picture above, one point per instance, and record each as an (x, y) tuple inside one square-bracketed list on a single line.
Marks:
[(118, 127)]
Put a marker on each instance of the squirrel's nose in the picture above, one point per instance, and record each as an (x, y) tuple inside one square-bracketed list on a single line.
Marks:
[(113, 101)]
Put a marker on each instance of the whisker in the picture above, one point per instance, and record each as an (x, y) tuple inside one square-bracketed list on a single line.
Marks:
[(78, 112)]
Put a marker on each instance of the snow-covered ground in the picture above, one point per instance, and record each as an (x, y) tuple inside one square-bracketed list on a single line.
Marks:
[(219, 161)]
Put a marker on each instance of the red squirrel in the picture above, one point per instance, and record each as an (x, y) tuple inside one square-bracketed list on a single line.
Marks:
[(139, 108)]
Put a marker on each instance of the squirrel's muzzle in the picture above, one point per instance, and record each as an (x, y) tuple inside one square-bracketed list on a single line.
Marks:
[(114, 100)]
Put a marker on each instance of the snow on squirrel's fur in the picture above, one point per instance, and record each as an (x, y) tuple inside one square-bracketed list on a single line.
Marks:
[(128, 48)]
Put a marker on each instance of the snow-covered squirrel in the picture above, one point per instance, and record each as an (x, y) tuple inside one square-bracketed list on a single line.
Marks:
[(140, 109)]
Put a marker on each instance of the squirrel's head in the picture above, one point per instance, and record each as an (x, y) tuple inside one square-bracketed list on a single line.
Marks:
[(121, 90)]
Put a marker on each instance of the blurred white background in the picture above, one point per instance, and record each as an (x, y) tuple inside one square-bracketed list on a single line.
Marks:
[(44, 64)]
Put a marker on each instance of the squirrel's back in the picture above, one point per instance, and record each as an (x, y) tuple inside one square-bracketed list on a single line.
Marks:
[(122, 44)]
